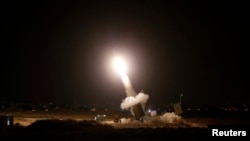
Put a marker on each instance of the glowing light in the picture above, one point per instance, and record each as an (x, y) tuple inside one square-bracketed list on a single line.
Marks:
[(120, 66), (125, 80)]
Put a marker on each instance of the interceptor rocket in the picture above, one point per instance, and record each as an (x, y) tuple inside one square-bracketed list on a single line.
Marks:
[(137, 109)]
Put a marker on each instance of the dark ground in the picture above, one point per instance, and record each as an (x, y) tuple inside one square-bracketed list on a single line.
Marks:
[(72, 130), (92, 130)]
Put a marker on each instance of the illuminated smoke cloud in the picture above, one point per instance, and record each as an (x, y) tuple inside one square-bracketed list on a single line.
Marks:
[(143, 98), (125, 120), (170, 118), (153, 113), (130, 101)]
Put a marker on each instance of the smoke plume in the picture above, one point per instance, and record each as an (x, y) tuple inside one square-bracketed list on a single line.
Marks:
[(130, 101)]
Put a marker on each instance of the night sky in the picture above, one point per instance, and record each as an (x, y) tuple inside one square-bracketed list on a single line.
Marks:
[(61, 51)]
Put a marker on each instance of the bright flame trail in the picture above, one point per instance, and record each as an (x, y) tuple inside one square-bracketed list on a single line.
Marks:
[(120, 67), (133, 101)]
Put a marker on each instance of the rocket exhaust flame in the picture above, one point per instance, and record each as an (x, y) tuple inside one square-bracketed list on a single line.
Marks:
[(120, 66)]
